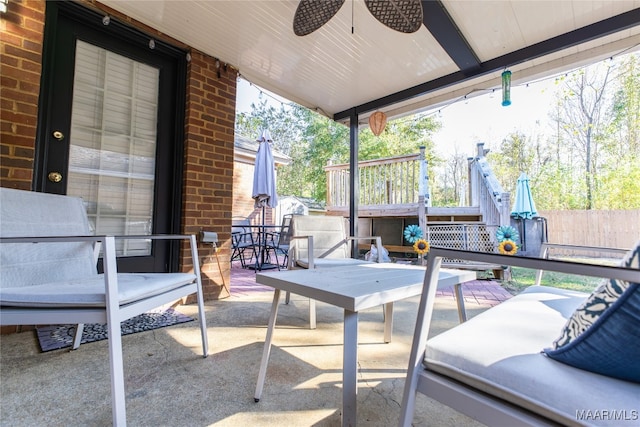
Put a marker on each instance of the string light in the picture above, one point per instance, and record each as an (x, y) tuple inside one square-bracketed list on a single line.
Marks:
[(485, 91), (478, 92), (262, 94)]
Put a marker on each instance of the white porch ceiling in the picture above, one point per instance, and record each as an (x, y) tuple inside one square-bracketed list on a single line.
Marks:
[(333, 70)]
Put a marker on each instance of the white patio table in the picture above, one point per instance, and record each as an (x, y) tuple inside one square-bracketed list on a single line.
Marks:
[(354, 288)]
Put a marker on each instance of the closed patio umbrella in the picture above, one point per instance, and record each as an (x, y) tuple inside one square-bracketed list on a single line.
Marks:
[(264, 180), (264, 188), (523, 206)]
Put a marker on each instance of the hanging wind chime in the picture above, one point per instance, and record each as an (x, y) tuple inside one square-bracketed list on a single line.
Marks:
[(506, 88)]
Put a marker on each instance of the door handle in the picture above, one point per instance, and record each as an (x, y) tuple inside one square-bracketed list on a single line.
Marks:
[(55, 176)]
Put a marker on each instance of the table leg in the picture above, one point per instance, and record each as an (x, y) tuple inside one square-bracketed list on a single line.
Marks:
[(267, 345), (312, 313), (462, 311), (388, 321), (350, 369)]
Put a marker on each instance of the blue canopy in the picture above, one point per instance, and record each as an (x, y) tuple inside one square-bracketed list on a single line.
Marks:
[(523, 206)]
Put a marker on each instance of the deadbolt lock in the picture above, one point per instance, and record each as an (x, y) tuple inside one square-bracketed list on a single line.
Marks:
[(58, 135), (55, 176)]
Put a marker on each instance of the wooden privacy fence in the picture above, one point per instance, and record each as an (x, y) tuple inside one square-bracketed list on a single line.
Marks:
[(611, 229)]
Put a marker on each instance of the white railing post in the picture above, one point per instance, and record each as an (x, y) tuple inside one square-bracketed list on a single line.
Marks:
[(486, 191), (505, 212), (424, 199), (330, 185), (474, 181), (423, 184)]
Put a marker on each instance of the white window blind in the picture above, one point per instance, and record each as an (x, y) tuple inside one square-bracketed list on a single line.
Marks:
[(113, 143)]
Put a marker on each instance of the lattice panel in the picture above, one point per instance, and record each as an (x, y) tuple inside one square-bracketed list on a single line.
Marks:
[(478, 238)]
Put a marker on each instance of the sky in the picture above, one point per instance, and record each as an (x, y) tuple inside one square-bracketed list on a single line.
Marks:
[(464, 122), (483, 118)]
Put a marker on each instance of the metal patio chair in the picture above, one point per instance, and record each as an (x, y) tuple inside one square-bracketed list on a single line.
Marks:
[(280, 240), (243, 244), (322, 242), (48, 275)]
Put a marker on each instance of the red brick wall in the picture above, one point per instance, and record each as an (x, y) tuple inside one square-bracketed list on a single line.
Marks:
[(208, 187), (209, 133), (243, 204), (21, 36)]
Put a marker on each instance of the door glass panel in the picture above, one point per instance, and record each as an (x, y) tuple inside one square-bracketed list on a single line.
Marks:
[(113, 144)]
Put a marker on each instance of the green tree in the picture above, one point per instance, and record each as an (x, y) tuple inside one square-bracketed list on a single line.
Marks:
[(285, 124), (620, 175), (324, 141), (584, 119), (613, 134), (448, 187), (626, 110), (402, 136), (592, 159), (516, 154), (313, 141)]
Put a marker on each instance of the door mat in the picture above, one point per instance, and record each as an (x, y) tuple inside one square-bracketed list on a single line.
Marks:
[(55, 337)]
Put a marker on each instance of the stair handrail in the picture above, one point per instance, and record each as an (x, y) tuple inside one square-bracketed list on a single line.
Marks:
[(486, 192)]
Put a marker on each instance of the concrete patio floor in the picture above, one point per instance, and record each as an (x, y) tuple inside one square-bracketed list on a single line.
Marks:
[(168, 382)]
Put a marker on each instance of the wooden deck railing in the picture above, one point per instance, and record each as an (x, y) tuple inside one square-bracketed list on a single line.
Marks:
[(401, 185), (391, 181)]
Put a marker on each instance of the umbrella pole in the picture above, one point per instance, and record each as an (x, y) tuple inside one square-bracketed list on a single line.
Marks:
[(264, 239)]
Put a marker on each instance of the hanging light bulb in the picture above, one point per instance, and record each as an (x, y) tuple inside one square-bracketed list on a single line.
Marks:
[(377, 122), (506, 88)]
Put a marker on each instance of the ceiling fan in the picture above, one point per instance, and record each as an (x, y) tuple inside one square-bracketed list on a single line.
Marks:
[(401, 15)]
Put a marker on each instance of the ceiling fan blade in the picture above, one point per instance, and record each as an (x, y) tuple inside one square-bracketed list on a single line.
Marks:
[(401, 15), (313, 14)]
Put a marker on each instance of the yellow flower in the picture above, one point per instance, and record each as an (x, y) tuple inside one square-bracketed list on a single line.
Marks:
[(421, 246), (508, 247)]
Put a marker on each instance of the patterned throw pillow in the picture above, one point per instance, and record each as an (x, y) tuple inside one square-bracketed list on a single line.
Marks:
[(590, 311), (600, 335)]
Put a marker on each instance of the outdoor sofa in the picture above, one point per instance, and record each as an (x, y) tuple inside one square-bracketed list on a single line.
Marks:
[(502, 367)]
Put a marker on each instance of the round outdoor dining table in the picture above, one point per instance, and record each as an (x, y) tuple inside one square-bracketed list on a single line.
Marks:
[(263, 247)]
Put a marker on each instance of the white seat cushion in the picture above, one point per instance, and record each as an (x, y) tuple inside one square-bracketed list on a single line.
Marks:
[(91, 292), (499, 353)]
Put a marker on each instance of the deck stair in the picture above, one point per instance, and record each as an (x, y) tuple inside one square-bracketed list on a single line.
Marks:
[(394, 193)]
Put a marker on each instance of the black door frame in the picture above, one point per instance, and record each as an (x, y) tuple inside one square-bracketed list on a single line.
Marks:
[(89, 26)]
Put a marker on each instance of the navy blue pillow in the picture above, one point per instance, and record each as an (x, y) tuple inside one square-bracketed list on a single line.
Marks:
[(611, 345)]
